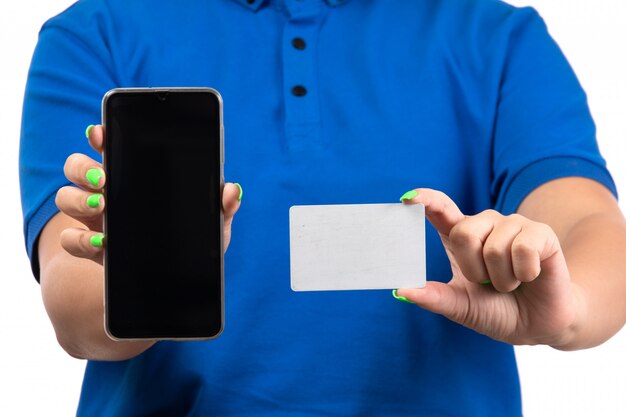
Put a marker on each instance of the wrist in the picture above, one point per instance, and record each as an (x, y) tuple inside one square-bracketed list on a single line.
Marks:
[(571, 337)]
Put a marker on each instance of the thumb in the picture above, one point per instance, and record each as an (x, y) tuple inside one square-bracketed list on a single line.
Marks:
[(440, 210), (437, 297), (231, 200)]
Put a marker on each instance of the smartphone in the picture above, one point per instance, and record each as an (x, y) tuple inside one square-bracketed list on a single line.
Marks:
[(163, 223)]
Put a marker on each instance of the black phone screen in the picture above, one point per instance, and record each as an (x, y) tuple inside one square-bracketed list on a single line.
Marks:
[(163, 219)]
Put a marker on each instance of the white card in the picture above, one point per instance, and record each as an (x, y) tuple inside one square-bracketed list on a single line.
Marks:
[(357, 247)]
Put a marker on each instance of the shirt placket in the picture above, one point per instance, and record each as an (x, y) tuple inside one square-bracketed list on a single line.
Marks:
[(300, 75)]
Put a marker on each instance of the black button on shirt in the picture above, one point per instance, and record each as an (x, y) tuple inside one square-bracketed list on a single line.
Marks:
[(298, 43), (298, 91)]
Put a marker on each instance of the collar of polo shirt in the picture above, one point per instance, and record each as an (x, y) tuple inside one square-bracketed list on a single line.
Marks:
[(257, 4)]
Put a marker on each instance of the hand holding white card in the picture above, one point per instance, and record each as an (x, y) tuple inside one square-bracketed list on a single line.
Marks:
[(357, 247)]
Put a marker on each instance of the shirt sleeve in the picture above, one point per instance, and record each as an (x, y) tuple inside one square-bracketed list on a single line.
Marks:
[(68, 76), (544, 129)]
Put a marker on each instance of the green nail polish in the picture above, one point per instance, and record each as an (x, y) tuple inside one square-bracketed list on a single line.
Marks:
[(93, 200), (93, 176), (485, 282), (408, 195), (97, 240), (399, 297), (88, 130), (240, 191)]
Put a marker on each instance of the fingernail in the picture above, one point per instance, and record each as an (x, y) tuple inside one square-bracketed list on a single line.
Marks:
[(93, 200), (485, 282), (408, 195), (399, 297), (93, 175), (240, 191), (88, 130), (97, 240)]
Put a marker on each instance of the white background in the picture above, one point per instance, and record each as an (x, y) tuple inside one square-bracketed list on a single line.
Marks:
[(38, 378)]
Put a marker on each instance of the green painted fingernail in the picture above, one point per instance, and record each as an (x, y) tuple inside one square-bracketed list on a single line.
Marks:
[(93, 200), (97, 240), (88, 130), (93, 176), (399, 297), (240, 191), (485, 282), (408, 195)]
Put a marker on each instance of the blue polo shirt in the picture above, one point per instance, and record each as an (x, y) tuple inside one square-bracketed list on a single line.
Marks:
[(325, 102)]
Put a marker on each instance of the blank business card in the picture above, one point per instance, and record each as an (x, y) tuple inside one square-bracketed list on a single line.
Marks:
[(357, 247)]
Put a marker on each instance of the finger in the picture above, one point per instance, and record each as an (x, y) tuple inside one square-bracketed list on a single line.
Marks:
[(497, 253), (83, 243), (231, 200), (84, 206), (84, 172), (529, 245), (95, 135), (437, 297), (467, 239), (440, 210)]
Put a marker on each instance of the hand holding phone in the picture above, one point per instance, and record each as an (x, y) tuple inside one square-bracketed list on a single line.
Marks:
[(73, 201)]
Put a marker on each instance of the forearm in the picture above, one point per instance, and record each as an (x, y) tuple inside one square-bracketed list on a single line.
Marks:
[(595, 249)]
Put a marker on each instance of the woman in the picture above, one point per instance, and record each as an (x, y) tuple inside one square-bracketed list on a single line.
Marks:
[(338, 102)]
